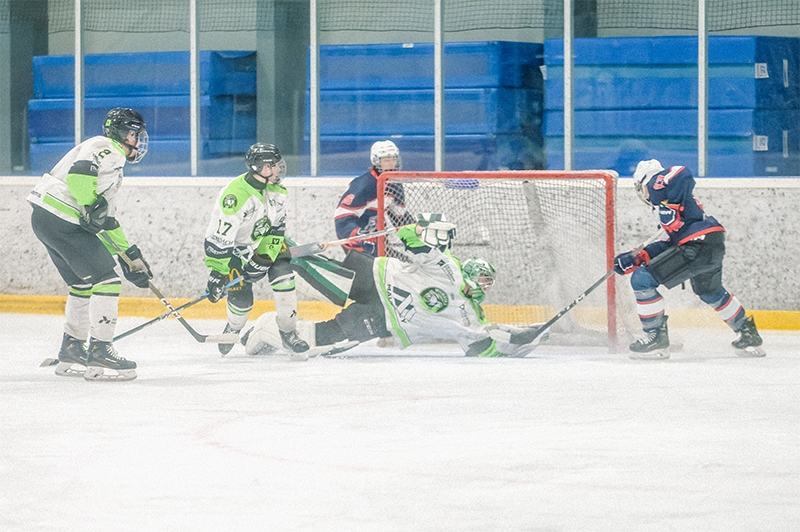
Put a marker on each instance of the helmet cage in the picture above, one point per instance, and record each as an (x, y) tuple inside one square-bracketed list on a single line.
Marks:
[(119, 123), (260, 155), (480, 274)]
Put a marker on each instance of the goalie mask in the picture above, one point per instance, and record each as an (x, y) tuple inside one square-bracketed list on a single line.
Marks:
[(383, 154), (645, 170), (435, 230), (480, 275), (120, 122), (261, 155)]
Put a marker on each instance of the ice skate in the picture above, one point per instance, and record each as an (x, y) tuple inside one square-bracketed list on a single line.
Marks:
[(71, 358), (102, 356), (749, 342), (654, 346), (296, 346), (226, 348)]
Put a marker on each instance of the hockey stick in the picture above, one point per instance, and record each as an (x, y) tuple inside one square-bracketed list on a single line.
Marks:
[(532, 333), (313, 248), (225, 338), (194, 301)]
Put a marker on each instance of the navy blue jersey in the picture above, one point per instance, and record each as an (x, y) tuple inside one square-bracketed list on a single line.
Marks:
[(358, 208), (678, 211)]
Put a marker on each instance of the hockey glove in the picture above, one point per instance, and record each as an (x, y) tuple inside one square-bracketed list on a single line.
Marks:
[(216, 285), (625, 263), (138, 272), (368, 245), (256, 268), (93, 218)]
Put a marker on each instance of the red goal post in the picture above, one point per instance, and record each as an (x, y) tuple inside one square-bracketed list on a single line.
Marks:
[(550, 235)]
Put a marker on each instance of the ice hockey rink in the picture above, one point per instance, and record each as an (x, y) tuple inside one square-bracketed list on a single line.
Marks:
[(389, 440)]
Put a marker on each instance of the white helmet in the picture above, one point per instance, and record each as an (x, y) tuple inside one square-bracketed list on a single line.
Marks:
[(435, 230), (645, 170), (381, 149)]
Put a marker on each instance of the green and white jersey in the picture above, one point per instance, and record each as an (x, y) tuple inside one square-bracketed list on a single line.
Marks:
[(424, 300), (246, 219), (92, 168)]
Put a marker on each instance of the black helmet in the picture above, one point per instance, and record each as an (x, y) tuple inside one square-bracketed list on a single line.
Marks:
[(119, 122), (260, 155)]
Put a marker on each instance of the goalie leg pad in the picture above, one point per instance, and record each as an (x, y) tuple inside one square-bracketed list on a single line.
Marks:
[(265, 339)]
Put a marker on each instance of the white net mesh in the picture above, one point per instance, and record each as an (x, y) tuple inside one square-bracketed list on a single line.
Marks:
[(547, 234)]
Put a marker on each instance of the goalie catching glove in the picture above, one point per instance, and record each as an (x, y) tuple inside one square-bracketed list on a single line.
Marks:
[(435, 231), (135, 269)]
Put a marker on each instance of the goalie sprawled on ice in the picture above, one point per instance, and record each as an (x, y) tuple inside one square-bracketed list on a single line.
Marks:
[(432, 298)]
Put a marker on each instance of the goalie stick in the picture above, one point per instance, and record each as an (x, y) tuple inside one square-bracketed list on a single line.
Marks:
[(313, 248), (534, 332)]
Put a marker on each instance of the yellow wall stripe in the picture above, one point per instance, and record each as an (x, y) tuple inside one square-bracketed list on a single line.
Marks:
[(148, 307)]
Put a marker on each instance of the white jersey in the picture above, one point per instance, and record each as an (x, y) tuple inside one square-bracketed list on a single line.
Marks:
[(245, 219), (424, 300), (98, 155)]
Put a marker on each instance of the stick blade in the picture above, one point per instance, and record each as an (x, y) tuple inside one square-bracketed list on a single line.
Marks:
[(225, 338), (47, 362)]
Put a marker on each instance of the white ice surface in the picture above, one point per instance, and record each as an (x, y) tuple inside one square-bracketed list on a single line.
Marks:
[(566, 439)]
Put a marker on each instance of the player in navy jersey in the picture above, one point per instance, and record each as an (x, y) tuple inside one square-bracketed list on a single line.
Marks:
[(357, 211), (692, 250)]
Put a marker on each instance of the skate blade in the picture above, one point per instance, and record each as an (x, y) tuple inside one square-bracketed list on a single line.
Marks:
[(96, 373), (298, 357), (658, 354), (70, 369), (332, 351), (751, 352)]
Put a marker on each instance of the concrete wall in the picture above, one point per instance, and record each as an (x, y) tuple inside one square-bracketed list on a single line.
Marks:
[(167, 218)]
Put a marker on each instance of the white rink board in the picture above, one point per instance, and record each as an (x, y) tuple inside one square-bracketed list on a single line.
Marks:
[(421, 440)]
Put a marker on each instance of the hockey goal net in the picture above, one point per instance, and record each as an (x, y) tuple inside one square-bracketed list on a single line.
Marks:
[(549, 234)]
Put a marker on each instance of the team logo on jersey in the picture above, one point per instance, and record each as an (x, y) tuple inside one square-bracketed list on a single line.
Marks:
[(229, 202), (261, 228), (347, 200), (434, 299)]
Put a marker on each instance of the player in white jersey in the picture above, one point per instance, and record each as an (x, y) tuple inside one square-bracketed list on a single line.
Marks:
[(72, 203), (432, 298), (246, 237)]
